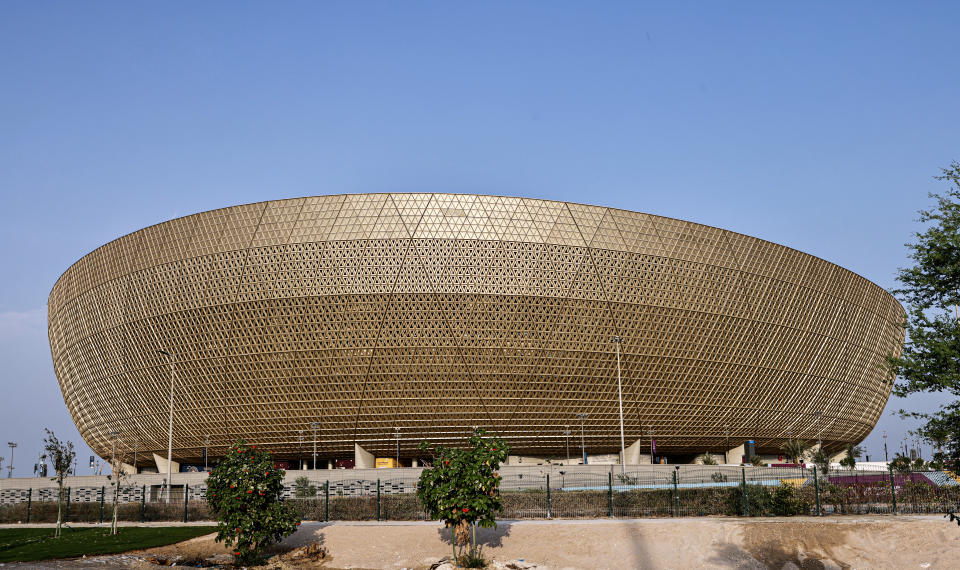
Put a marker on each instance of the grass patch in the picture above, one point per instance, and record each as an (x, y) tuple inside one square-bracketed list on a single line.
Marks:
[(27, 544)]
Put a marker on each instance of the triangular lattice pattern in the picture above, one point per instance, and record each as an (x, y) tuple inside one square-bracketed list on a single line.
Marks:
[(436, 313)]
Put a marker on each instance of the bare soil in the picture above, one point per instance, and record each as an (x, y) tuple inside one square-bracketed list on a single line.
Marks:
[(900, 542)]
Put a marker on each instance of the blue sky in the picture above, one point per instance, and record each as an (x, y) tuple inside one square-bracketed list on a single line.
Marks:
[(816, 125)]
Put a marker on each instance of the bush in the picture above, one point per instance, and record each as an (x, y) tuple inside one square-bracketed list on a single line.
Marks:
[(788, 501), (303, 488), (758, 500), (245, 493)]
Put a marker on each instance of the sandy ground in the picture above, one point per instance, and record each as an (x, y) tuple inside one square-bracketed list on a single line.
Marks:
[(901, 542)]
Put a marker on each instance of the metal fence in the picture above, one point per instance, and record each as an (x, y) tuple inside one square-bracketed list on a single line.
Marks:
[(535, 492)]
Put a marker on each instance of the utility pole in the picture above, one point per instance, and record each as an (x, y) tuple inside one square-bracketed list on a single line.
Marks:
[(623, 447), (315, 426), (10, 467), (206, 452), (583, 445), (300, 449), (172, 360)]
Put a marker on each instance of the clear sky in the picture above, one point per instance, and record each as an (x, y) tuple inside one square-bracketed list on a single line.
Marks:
[(814, 125)]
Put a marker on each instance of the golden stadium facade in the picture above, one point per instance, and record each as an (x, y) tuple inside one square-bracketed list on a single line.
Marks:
[(421, 316)]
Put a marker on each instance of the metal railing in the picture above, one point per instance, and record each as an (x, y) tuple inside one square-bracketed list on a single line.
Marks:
[(535, 492)]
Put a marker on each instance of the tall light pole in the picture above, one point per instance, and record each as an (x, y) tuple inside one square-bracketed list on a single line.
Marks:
[(623, 447), (397, 430), (10, 467), (566, 433), (206, 452), (819, 431), (314, 426), (653, 454), (136, 445), (886, 457), (113, 452), (583, 445), (172, 360), (300, 449)]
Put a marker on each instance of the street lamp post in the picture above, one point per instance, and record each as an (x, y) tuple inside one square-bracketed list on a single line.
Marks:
[(623, 447), (113, 451), (566, 433), (653, 455), (206, 452), (583, 445), (726, 454), (397, 430), (314, 426), (886, 457), (10, 467), (136, 445), (300, 449), (172, 360)]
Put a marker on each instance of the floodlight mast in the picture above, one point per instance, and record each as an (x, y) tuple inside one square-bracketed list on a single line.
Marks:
[(623, 448), (172, 360)]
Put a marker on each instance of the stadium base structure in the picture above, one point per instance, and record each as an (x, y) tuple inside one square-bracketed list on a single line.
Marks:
[(384, 320)]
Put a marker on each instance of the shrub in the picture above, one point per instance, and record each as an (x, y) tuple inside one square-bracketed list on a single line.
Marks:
[(758, 500), (463, 487), (303, 488), (787, 501), (245, 493)]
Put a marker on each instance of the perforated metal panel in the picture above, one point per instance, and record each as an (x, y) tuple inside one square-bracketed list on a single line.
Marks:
[(436, 313)]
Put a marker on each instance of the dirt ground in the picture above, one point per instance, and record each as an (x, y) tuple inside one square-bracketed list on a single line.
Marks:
[(901, 542)]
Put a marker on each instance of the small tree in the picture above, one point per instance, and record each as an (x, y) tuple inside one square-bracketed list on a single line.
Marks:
[(706, 459), (303, 488), (901, 464), (116, 477), (463, 489), (245, 493), (822, 461), (61, 456), (853, 453), (795, 449)]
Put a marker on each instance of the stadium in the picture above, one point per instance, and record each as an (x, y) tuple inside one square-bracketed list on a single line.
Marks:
[(363, 324)]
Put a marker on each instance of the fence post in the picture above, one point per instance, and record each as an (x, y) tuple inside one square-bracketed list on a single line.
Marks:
[(893, 489), (29, 503), (378, 499), (816, 490), (548, 496), (676, 495), (743, 479), (66, 517), (143, 503), (186, 498), (610, 493), (326, 502)]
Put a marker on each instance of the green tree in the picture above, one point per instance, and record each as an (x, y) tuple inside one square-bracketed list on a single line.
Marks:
[(303, 488), (930, 289), (706, 459), (61, 456), (462, 489), (795, 449), (822, 461), (245, 493), (854, 452), (901, 464)]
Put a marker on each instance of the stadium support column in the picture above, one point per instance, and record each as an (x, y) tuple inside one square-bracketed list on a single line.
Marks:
[(363, 459), (735, 455), (633, 454), (162, 465)]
